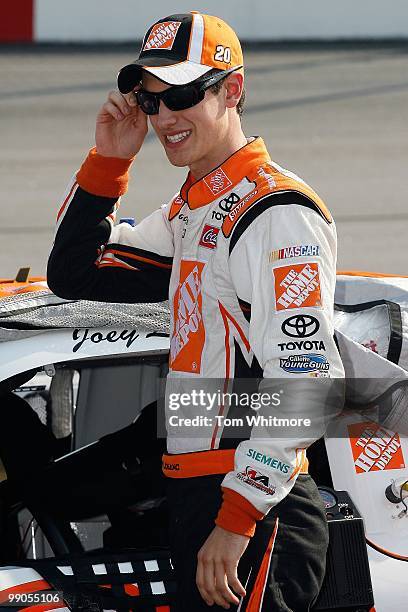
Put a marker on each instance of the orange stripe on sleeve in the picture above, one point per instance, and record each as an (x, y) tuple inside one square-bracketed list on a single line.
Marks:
[(104, 176), (201, 463), (237, 514), (153, 262), (256, 600), (64, 204)]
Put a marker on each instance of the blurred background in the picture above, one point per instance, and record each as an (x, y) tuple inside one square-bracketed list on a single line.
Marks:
[(327, 89)]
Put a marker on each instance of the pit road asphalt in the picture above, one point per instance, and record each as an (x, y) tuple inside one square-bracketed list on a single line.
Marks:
[(335, 114)]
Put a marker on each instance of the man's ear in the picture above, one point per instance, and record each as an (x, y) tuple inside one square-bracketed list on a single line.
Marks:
[(234, 85)]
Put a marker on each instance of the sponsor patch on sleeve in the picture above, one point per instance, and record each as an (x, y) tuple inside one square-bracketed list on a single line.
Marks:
[(297, 286), (313, 364), (252, 477), (301, 250), (375, 448)]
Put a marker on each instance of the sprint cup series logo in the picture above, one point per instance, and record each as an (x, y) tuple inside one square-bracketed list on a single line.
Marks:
[(297, 286), (162, 35), (188, 335), (217, 182), (375, 448)]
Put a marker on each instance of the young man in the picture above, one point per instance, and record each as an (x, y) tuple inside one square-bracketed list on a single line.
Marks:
[(245, 252)]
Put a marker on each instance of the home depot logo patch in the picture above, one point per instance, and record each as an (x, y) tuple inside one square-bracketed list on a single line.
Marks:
[(375, 448), (162, 35), (187, 341), (209, 237), (217, 182), (297, 286)]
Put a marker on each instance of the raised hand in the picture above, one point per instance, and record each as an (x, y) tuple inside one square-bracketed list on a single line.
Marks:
[(121, 126)]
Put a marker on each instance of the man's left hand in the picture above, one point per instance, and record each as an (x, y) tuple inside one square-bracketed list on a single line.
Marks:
[(217, 567)]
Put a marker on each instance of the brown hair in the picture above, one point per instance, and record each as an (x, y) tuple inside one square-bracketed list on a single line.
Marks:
[(215, 89)]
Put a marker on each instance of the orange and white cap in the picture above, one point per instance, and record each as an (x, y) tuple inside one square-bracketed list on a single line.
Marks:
[(181, 48)]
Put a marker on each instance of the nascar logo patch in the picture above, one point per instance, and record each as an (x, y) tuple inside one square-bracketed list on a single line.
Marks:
[(301, 250)]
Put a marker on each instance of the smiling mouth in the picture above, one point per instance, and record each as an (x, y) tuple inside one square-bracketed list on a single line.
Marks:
[(176, 138)]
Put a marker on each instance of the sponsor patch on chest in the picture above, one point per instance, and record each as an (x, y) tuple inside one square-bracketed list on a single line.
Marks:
[(209, 237), (188, 335)]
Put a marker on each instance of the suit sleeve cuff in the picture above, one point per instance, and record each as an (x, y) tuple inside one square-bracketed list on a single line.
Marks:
[(104, 176), (237, 514)]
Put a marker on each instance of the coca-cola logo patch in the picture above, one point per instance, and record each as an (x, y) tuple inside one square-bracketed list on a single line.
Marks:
[(209, 237), (217, 182), (162, 35), (375, 448)]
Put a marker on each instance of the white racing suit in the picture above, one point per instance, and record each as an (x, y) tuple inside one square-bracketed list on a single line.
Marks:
[(246, 257)]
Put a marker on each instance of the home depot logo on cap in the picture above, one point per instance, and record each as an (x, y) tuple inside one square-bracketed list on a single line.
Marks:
[(181, 48), (162, 35)]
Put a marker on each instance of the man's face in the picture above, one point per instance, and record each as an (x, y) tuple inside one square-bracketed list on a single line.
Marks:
[(192, 137)]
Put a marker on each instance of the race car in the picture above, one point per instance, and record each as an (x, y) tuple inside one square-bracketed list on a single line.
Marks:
[(83, 506)]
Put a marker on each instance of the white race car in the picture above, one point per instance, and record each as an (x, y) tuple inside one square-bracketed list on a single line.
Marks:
[(83, 517)]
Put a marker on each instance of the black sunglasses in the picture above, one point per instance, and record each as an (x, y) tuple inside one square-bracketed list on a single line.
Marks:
[(179, 97)]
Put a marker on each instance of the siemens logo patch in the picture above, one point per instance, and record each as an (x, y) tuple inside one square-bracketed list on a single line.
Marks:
[(301, 364), (269, 461)]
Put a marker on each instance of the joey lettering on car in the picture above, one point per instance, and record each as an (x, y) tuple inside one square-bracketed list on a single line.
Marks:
[(188, 334), (302, 345), (84, 335)]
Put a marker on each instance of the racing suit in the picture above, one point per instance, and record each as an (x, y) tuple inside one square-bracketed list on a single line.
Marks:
[(244, 255)]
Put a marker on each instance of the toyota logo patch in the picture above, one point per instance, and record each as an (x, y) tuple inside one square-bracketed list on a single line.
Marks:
[(300, 326)]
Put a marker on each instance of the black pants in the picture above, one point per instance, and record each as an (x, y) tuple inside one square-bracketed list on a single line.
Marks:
[(296, 530)]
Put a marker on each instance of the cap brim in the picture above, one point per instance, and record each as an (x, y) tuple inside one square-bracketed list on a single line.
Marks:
[(172, 74), (178, 74)]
